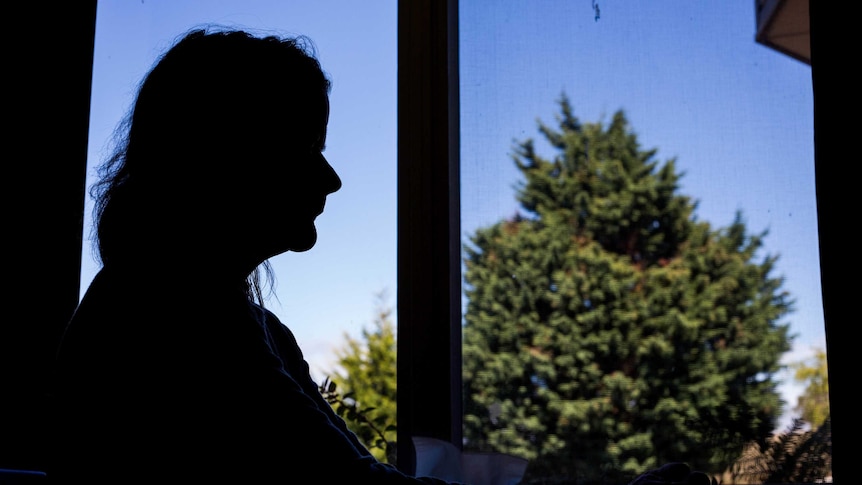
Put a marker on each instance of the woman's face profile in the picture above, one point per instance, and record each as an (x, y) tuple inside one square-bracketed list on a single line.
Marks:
[(294, 192)]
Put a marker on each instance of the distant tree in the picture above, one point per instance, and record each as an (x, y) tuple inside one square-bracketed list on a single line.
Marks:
[(363, 389), (813, 404), (607, 331)]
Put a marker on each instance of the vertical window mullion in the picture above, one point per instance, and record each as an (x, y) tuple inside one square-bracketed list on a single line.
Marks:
[(429, 336)]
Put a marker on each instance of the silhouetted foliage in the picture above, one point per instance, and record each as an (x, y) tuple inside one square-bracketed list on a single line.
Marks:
[(795, 456), (374, 429)]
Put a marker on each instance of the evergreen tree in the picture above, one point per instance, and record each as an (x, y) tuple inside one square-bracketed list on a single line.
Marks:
[(607, 330), (367, 383)]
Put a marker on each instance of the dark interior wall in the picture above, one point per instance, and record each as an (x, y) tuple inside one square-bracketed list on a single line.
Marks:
[(832, 50), (47, 72)]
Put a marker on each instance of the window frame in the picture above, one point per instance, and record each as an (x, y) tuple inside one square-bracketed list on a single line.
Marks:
[(429, 248)]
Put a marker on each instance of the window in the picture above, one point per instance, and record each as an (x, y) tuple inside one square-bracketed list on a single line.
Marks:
[(691, 83), (438, 325)]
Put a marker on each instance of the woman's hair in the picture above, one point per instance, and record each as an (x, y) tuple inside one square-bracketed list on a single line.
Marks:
[(191, 134)]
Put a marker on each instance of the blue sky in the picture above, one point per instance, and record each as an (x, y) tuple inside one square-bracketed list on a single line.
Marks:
[(736, 115)]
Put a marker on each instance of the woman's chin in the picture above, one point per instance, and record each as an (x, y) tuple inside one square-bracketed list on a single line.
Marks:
[(299, 245)]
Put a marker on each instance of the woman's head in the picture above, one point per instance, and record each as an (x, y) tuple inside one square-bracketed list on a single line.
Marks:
[(223, 140)]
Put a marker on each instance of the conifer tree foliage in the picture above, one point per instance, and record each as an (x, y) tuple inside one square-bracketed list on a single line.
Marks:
[(607, 330), (367, 383)]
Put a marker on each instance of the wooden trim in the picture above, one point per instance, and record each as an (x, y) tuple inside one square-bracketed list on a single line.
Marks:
[(429, 269)]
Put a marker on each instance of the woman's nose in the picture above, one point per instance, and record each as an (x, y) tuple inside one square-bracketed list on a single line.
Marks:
[(332, 180)]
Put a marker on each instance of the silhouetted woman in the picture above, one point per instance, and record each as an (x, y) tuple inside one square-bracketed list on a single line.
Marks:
[(171, 370)]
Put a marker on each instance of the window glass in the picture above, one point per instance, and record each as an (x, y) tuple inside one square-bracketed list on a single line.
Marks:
[(617, 317)]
